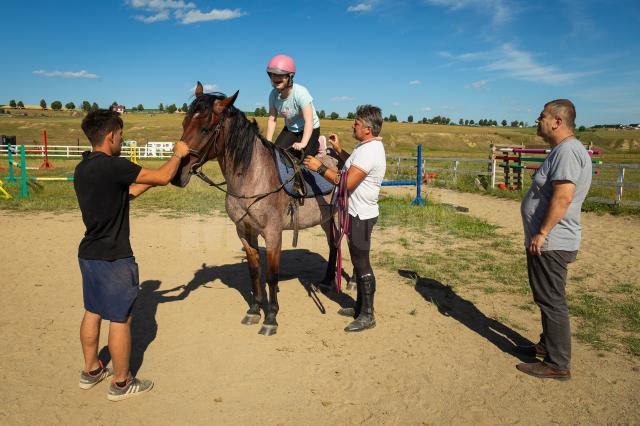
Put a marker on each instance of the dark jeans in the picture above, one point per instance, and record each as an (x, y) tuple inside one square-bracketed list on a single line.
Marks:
[(548, 278)]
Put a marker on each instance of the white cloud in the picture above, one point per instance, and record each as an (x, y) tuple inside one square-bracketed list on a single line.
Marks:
[(396, 103), (478, 85), (184, 12), (158, 5), (415, 82), (521, 65), (194, 16), (160, 16), (426, 109), (507, 61), (65, 74), (341, 99), (360, 7), (207, 88), (501, 10)]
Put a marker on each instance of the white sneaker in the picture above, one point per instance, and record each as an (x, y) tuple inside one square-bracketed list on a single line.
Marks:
[(134, 387)]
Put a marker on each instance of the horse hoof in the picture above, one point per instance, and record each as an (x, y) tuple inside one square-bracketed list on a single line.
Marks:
[(250, 319), (268, 330)]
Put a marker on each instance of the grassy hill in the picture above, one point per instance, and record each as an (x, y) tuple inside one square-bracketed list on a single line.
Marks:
[(63, 128)]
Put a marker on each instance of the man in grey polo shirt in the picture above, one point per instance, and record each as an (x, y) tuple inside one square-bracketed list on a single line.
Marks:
[(551, 218)]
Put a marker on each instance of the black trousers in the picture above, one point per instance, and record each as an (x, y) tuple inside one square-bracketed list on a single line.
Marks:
[(548, 278), (286, 138), (360, 244)]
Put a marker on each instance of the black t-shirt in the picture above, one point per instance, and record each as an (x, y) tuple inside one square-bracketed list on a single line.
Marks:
[(102, 187)]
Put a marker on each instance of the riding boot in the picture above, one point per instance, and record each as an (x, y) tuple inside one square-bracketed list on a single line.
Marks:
[(355, 311), (365, 318)]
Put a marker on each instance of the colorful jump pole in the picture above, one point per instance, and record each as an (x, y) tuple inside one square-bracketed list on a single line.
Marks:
[(46, 164), (418, 201), (3, 192), (133, 152), (24, 189), (12, 177)]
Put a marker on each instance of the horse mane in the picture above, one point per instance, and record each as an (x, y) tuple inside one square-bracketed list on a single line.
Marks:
[(241, 132)]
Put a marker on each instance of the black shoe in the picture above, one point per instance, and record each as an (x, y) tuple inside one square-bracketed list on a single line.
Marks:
[(542, 370), (363, 322), (532, 350)]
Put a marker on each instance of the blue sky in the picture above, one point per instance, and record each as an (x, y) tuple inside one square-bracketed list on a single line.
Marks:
[(473, 59)]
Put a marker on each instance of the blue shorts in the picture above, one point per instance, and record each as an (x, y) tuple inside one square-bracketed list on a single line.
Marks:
[(109, 288)]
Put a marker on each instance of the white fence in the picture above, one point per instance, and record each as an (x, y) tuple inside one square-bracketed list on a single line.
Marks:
[(54, 151), (395, 167)]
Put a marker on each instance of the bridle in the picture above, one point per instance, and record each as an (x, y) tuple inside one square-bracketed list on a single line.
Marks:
[(203, 153)]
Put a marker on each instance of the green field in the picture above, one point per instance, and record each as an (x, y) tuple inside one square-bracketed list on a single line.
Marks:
[(619, 146)]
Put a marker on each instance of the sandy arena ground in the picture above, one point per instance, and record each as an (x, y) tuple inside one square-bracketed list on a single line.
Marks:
[(426, 368)]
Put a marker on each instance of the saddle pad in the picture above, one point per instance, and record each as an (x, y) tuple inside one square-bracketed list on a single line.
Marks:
[(314, 183)]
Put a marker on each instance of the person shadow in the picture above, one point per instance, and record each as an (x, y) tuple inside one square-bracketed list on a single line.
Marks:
[(144, 326), (452, 305)]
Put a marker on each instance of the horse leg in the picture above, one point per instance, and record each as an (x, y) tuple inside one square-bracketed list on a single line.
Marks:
[(250, 242), (274, 247)]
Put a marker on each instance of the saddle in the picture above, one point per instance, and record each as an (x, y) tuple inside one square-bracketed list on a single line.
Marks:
[(292, 173), (288, 166)]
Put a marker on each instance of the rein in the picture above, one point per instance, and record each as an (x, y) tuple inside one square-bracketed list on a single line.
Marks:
[(342, 227)]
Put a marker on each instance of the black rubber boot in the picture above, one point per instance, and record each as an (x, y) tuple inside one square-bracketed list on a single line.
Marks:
[(365, 318), (355, 311)]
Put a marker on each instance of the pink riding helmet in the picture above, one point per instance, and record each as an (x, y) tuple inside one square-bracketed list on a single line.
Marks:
[(281, 64)]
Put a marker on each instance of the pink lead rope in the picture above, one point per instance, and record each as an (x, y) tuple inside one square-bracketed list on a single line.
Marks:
[(342, 227)]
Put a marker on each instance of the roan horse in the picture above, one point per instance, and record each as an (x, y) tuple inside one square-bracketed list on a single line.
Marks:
[(214, 129)]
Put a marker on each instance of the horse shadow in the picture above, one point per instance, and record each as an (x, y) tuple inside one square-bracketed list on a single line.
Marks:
[(452, 305), (302, 264), (308, 267)]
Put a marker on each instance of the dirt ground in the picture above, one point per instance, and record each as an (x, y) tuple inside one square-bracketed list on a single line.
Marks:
[(420, 368)]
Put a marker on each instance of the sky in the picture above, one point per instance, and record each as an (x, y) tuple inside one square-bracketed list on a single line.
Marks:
[(470, 59)]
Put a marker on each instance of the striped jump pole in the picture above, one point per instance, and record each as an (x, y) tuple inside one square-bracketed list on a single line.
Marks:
[(46, 165), (520, 166), (64, 179)]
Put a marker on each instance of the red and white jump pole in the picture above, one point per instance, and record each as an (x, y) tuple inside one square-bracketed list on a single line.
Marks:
[(46, 164)]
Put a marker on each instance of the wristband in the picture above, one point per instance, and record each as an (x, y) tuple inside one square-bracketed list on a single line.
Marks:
[(322, 169), (177, 156)]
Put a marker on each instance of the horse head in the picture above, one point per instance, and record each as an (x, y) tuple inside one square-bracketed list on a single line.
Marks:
[(203, 131)]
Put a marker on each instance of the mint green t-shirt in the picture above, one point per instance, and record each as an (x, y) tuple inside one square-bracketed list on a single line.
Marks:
[(291, 107)]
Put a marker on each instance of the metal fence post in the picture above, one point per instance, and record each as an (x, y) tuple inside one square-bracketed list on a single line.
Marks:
[(418, 201), (619, 186)]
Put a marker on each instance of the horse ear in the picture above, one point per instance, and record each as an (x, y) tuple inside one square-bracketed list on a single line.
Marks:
[(199, 90), (220, 106), (230, 100)]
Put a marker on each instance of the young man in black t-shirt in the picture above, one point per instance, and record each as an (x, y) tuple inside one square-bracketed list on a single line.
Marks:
[(104, 183)]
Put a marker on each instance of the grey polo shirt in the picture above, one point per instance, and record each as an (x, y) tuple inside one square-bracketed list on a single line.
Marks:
[(567, 161)]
